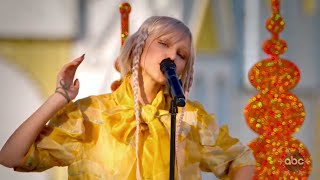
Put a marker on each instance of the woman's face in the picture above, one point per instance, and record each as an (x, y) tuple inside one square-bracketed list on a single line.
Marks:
[(158, 49)]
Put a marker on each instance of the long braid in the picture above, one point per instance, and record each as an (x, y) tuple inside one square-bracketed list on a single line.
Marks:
[(135, 75)]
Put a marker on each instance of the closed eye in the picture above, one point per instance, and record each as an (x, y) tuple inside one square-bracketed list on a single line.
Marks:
[(163, 43), (182, 56)]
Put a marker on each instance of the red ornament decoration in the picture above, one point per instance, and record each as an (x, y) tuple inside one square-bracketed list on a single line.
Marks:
[(275, 113), (125, 10)]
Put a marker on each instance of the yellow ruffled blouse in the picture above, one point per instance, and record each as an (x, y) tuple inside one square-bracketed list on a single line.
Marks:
[(94, 137)]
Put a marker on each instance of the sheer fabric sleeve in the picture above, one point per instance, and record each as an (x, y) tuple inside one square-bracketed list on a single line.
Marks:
[(220, 153), (59, 143)]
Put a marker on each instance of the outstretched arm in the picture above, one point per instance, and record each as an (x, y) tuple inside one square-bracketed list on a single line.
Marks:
[(16, 147)]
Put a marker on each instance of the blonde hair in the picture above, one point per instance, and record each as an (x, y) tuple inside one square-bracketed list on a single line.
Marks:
[(130, 57)]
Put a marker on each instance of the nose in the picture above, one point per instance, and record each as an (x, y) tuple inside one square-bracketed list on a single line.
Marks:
[(172, 55)]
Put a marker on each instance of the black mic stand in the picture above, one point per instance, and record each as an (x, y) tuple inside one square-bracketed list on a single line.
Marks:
[(168, 68), (175, 102), (173, 111)]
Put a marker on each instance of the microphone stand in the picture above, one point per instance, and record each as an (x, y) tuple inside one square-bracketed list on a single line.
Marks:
[(173, 111), (168, 68)]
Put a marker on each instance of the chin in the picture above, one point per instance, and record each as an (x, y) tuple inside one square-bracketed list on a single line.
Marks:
[(161, 80)]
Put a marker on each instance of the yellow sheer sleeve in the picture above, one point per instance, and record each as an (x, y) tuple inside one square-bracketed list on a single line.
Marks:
[(220, 153), (59, 143)]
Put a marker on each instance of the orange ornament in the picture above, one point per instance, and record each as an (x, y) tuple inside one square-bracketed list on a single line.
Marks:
[(277, 74), (275, 47), (275, 113)]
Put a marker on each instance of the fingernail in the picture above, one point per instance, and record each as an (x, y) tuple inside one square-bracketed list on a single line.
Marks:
[(75, 81)]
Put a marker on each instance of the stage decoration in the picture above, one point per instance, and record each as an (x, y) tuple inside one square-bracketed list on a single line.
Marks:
[(275, 113), (125, 10)]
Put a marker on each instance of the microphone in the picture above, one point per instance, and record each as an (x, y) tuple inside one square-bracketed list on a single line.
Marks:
[(168, 68)]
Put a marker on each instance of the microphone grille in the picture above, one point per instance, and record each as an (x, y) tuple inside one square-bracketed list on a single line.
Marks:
[(167, 63)]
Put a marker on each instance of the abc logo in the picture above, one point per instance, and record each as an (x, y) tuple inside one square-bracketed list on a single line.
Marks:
[(294, 161)]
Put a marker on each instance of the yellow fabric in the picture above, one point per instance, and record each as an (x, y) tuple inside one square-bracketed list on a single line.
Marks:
[(94, 137)]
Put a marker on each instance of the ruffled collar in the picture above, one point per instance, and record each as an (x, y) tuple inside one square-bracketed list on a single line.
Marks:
[(120, 119)]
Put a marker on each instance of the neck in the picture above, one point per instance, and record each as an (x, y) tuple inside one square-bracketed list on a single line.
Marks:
[(148, 89)]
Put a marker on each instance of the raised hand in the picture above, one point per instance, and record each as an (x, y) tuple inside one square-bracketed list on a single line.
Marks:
[(66, 86), (13, 152)]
